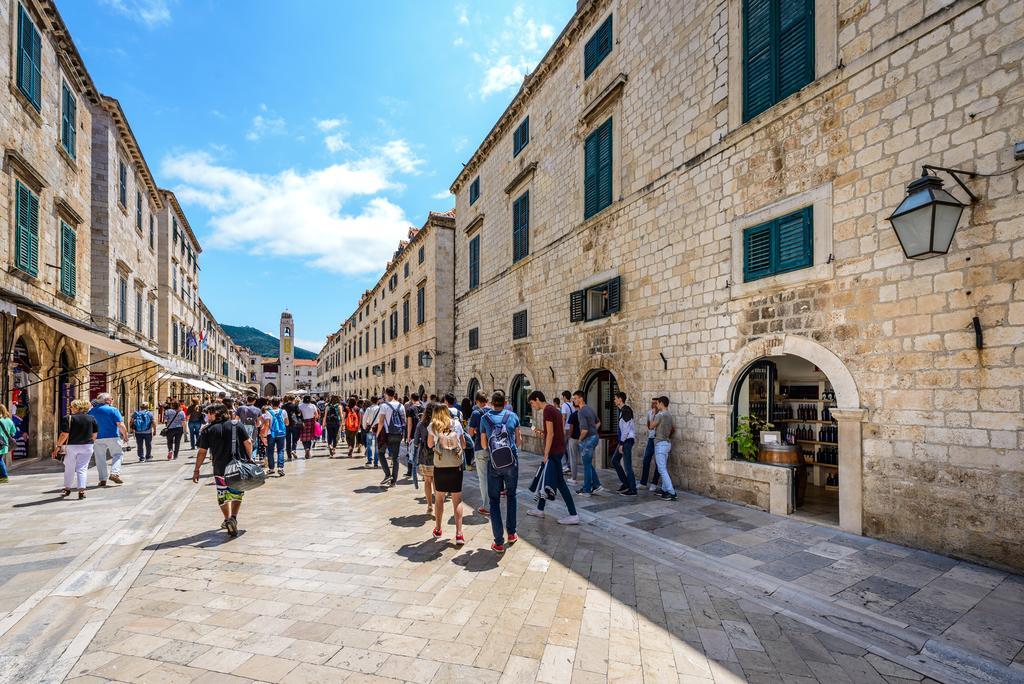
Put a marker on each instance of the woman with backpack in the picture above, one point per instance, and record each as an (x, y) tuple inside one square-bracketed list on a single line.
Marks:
[(195, 422), (424, 456), (310, 415), (447, 440), (352, 423), (332, 422), (174, 427), (142, 426), (277, 437)]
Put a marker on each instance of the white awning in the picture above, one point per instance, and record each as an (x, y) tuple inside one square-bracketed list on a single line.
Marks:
[(91, 337), (171, 365), (203, 385)]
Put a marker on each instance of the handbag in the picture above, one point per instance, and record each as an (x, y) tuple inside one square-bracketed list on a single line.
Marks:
[(404, 452), (318, 430), (242, 475)]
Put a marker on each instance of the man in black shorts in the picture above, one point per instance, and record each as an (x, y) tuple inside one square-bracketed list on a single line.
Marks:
[(217, 438)]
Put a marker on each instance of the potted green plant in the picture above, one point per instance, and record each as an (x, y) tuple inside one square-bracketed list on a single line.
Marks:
[(745, 436)]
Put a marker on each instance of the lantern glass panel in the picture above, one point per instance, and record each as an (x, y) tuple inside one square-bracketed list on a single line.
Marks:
[(914, 230)]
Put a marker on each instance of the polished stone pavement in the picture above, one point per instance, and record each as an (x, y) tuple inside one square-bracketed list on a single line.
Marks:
[(336, 579)]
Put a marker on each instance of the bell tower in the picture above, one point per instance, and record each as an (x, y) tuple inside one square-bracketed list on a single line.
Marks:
[(286, 352)]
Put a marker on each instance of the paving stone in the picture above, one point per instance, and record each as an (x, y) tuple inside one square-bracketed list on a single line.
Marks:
[(794, 566)]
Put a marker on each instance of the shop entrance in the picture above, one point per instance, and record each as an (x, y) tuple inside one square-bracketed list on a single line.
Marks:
[(599, 388), (65, 386), (270, 390), (474, 387), (23, 397), (796, 398)]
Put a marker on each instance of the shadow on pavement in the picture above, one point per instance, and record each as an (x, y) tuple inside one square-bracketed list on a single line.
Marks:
[(370, 489), (477, 560), (424, 551), (410, 520), (202, 540)]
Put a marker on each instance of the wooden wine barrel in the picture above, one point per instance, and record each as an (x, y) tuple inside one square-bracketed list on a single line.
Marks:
[(787, 454)]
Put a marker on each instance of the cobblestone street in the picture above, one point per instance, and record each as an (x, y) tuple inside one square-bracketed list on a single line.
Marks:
[(334, 579)]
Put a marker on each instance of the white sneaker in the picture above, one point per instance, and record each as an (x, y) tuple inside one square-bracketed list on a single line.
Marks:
[(535, 513), (569, 520), (652, 488), (570, 481), (599, 490)]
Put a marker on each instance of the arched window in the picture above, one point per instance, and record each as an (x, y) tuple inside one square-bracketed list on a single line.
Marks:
[(287, 331), (518, 396), (474, 387)]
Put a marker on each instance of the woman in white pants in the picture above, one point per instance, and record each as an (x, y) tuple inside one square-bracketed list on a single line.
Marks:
[(78, 432)]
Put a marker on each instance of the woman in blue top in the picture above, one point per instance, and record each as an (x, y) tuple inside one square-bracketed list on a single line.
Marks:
[(6, 440)]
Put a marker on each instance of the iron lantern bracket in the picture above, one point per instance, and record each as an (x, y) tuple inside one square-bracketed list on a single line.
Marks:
[(955, 175)]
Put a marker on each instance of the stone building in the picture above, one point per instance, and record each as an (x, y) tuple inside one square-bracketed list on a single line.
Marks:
[(281, 374), (401, 333), (45, 265), (221, 362), (328, 365), (690, 199), (125, 302)]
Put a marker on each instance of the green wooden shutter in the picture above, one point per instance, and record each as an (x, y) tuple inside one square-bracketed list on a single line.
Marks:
[(68, 119), (757, 252), (615, 295), (597, 48), (474, 262), (577, 306), (604, 165), (68, 260), (26, 237), (794, 241), (521, 227), (590, 176), (30, 52), (758, 62), (795, 46)]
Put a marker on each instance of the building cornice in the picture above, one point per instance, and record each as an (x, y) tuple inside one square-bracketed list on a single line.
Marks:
[(170, 198), (131, 143)]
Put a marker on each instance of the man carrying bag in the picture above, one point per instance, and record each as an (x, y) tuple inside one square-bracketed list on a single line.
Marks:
[(232, 475)]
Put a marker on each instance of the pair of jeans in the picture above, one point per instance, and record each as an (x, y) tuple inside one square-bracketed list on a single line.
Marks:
[(554, 477), (648, 459), (292, 439), (590, 478), (481, 457), (144, 443), (108, 446), (194, 426), (371, 453), (277, 443), (661, 450), (173, 441), (3, 466), (509, 477), (76, 464), (394, 443), (572, 453), (623, 464)]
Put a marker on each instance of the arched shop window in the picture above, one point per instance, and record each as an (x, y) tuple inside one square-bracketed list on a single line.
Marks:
[(474, 387), (518, 396)]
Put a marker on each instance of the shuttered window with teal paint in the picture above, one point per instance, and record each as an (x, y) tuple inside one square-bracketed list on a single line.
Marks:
[(474, 191), (521, 137), (26, 233), (597, 172), (597, 48), (138, 210), (68, 260), (474, 262), (30, 58), (521, 227), (122, 184), (68, 119), (778, 51), (779, 246)]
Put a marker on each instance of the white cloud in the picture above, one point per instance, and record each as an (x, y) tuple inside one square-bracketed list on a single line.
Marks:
[(444, 194), (311, 345), (458, 41), (334, 218), (329, 124), (336, 143), (401, 156), (512, 53), (463, 15), (149, 12), (502, 76), (262, 126)]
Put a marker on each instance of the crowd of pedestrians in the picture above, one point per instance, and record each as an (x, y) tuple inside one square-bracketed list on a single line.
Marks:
[(429, 439)]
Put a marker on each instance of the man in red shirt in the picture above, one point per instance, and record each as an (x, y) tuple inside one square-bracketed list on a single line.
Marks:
[(553, 434)]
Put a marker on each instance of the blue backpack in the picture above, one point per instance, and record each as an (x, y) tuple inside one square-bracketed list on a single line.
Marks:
[(277, 427), (500, 442), (142, 421)]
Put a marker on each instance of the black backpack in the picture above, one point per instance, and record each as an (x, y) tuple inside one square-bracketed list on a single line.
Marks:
[(333, 414)]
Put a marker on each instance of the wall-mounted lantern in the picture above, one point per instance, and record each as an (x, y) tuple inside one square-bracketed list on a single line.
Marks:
[(927, 218)]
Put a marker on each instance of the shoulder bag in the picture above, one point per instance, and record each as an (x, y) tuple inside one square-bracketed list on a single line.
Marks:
[(242, 475)]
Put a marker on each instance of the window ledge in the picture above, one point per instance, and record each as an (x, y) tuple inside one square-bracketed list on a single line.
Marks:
[(804, 276), (66, 156), (27, 104), (14, 161), (603, 99), (520, 177)]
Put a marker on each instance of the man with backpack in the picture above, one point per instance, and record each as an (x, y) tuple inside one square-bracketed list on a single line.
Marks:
[(370, 415), (142, 426), (391, 427), (572, 438), (352, 419), (277, 437), (479, 453), (501, 436), (413, 414), (247, 414)]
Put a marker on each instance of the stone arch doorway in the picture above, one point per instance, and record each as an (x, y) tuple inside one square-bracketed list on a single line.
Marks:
[(599, 388), (518, 395), (270, 390), (423, 392), (472, 389), (794, 351)]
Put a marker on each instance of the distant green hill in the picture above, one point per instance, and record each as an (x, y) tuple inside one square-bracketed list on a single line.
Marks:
[(260, 342)]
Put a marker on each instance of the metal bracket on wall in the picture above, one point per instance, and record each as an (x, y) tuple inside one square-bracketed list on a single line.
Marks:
[(664, 361), (552, 372)]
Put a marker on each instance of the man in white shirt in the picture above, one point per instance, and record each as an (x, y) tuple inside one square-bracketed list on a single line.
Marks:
[(370, 415), (572, 443), (390, 429)]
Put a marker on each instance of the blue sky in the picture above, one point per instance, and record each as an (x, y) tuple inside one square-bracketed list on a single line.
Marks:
[(303, 138)]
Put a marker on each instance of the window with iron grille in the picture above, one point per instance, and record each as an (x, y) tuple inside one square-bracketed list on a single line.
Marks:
[(519, 325), (474, 338)]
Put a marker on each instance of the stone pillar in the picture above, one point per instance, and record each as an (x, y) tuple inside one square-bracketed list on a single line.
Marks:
[(851, 469)]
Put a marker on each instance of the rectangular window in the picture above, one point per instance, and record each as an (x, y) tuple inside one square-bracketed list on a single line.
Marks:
[(597, 170), (521, 137), (519, 329), (383, 331), (174, 281), (406, 270), (394, 365), (174, 332), (68, 119), (68, 260), (597, 48), (421, 255), (30, 59), (474, 262), (138, 311), (138, 211), (407, 361), (779, 246), (26, 233), (122, 299), (394, 324), (778, 51), (597, 301), (152, 320), (405, 315), (521, 227), (421, 304), (152, 233), (474, 338), (474, 191), (122, 185)]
